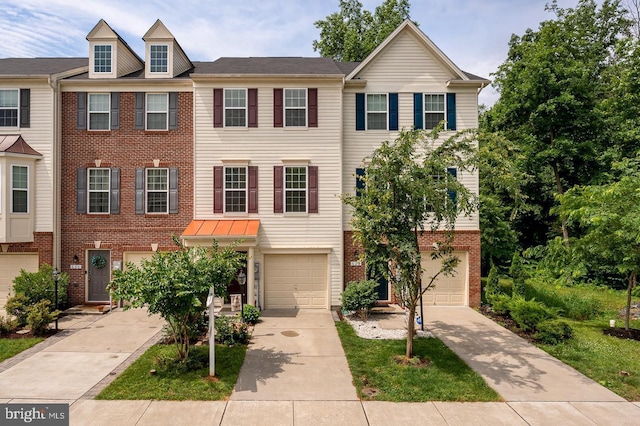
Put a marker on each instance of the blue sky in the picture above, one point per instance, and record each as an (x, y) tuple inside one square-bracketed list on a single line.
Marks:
[(473, 33)]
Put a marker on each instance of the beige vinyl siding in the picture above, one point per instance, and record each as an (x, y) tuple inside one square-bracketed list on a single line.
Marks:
[(266, 147), (406, 66), (180, 61), (126, 61), (40, 137)]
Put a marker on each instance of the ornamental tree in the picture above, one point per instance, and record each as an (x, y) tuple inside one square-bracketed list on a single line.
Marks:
[(175, 284), (410, 189)]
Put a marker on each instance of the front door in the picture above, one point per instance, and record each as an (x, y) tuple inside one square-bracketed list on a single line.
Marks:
[(234, 286), (375, 272), (99, 275)]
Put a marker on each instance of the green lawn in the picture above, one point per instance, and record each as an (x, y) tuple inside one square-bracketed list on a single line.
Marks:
[(447, 378), (12, 347), (172, 384)]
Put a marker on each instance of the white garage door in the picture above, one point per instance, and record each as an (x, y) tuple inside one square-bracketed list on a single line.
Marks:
[(135, 257), (10, 266), (295, 281), (448, 290)]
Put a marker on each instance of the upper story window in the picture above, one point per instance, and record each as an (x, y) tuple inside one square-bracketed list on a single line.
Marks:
[(295, 189), (235, 107), (295, 107), (159, 58), (157, 111), (102, 58), (157, 190), (99, 190), (434, 110), (9, 107), (235, 189), (19, 189), (99, 107), (377, 111)]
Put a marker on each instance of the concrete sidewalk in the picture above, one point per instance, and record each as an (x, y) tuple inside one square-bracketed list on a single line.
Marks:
[(72, 363)]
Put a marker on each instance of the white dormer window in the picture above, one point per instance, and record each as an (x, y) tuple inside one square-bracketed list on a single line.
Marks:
[(159, 58), (102, 58)]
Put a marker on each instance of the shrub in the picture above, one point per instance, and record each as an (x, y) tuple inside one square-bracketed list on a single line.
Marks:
[(231, 331), (17, 306), (250, 314), (493, 283), (553, 331), (37, 286), (575, 306), (360, 297), (517, 273), (7, 325), (529, 313), (501, 304), (39, 316)]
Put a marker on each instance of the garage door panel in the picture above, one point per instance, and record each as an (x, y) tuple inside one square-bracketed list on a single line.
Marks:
[(448, 290), (296, 281), (10, 266)]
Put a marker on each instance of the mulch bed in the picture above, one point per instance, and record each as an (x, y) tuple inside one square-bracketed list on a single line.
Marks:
[(507, 322), (29, 334), (632, 333)]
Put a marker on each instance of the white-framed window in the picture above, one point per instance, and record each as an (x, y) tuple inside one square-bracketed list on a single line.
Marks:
[(159, 58), (434, 109), (102, 58), (99, 111), (377, 110), (295, 189), (157, 111), (157, 190), (235, 107), (99, 190), (9, 107), (295, 107), (235, 189), (19, 189)]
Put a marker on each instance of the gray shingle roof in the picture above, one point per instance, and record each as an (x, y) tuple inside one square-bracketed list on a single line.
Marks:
[(40, 66), (271, 65)]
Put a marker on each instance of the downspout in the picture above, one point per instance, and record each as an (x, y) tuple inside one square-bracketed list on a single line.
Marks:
[(56, 165)]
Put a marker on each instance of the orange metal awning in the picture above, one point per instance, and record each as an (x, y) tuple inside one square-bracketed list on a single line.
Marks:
[(222, 229)]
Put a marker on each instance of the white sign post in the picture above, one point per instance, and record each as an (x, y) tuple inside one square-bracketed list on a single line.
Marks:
[(212, 332)]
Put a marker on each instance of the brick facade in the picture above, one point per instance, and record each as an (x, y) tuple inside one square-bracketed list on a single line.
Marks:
[(42, 244), (126, 149), (468, 241)]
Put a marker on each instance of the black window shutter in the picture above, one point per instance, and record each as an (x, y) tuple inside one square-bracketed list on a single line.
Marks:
[(25, 108), (418, 118), (360, 121), (451, 111), (115, 110), (359, 181), (81, 118), (173, 190), (139, 111), (393, 111), (173, 110), (115, 191), (81, 190), (139, 187)]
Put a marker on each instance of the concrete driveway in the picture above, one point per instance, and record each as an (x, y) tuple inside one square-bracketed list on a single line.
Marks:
[(295, 355)]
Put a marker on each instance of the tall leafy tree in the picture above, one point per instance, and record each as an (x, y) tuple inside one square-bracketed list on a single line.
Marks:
[(609, 215), (352, 33), (406, 193), (552, 89)]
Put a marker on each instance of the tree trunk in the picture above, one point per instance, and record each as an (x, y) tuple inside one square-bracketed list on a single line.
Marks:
[(632, 283), (410, 330), (556, 174)]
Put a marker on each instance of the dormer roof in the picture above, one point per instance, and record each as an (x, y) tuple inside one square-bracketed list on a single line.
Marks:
[(123, 60), (177, 61)]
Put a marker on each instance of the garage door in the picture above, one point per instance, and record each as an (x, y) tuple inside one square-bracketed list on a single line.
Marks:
[(449, 290), (10, 266), (295, 281), (135, 257)]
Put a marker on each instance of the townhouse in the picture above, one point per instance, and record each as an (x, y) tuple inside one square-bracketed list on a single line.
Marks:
[(256, 150)]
